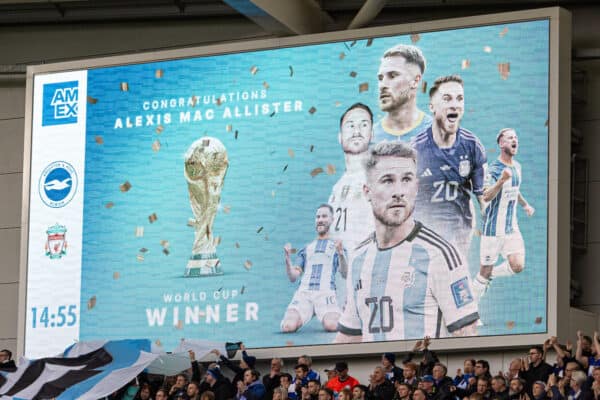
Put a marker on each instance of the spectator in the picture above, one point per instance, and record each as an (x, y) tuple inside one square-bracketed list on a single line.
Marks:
[(331, 373), (440, 378), (482, 369), (7, 364), (427, 384), (178, 390), (208, 395), (219, 385), (409, 373), (279, 394), (288, 386), (499, 389), (516, 390), (539, 391), (161, 394), (419, 394), (461, 380), (483, 387), (271, 381), (380, 388), (301, 379), (515, 369), (312, 374), (251, 388), (313, 389), (144, 392), (345, 394), (392, 372), (537, 369), (428, 359), (247, 362), (342, 380), (193, 391), (403, 391), (359, 392), (326, 394)]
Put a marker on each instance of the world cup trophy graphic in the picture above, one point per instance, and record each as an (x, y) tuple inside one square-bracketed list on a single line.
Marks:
[(206, 164)]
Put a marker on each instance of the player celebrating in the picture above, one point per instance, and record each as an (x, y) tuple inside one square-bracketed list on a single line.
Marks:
[(500, 233), (318, 263), (400, 72), (405, 281), (353, 219), (451, 166)]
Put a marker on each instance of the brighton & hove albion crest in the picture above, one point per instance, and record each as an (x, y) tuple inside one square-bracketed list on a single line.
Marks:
[(58, 184), (56, 245), (464, 168)]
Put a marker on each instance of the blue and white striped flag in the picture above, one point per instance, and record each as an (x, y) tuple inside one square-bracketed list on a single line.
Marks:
[(86, 370)]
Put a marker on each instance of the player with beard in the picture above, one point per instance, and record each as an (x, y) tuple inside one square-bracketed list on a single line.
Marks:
[(500, 233), (353, 219), (399, 76), (451, 166), (405, 281), (317, 263)]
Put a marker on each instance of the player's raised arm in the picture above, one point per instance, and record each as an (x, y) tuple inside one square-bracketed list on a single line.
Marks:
[(492, 191), (293, 271), (341, 258), (526, 206)]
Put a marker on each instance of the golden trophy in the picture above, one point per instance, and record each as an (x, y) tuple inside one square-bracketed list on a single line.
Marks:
[(205, 168)]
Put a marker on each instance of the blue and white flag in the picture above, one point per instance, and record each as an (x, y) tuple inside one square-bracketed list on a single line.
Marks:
[(86, 370)]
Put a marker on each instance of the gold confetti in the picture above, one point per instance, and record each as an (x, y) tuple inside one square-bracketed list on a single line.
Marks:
[(159, 129), (271, 115), (217, 240), (140, 257), (229, 128), (116, 275), (152, 217), (503, 32), (248, 265), (194, 101), (159, 73), (546, 123), (338, 103), (165, 243), (369, 42), (166, 251), (293, 250), (259, 230), (91, 100), (353, 43), (125, 186), (415, 37), (291, 71), (179, 324), (424, 87), (465, 64), (538, 320), (510, 324), (353, 74), (99, 140), (312, 147), (330, 169), (143, 250), (289, 343), (139, 231), (504, 69), (124, 86), (312, 110), (219, 101), (156, 146), (487, 49), (243, 290), (91, 302), (266, 237), (237, 245), (254, 70), (291, 153), (226, 209), (478, 232), (342, 55), (363, 87), (272, 193), (109, 205), (236, 133), (316, 171), (158, 342), (265, 85), (191, 222)]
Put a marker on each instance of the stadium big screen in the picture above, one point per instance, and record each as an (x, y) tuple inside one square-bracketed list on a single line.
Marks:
[(374, 189)]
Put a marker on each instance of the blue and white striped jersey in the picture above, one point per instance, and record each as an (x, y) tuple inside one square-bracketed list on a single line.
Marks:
[(418, 288), (319, 262), (500, 216), (381, 132)]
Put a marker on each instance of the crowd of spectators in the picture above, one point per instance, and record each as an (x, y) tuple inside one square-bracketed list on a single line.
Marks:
[(574, 375)]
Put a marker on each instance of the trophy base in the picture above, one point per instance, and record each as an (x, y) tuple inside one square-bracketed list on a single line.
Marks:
[(203, 267)]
